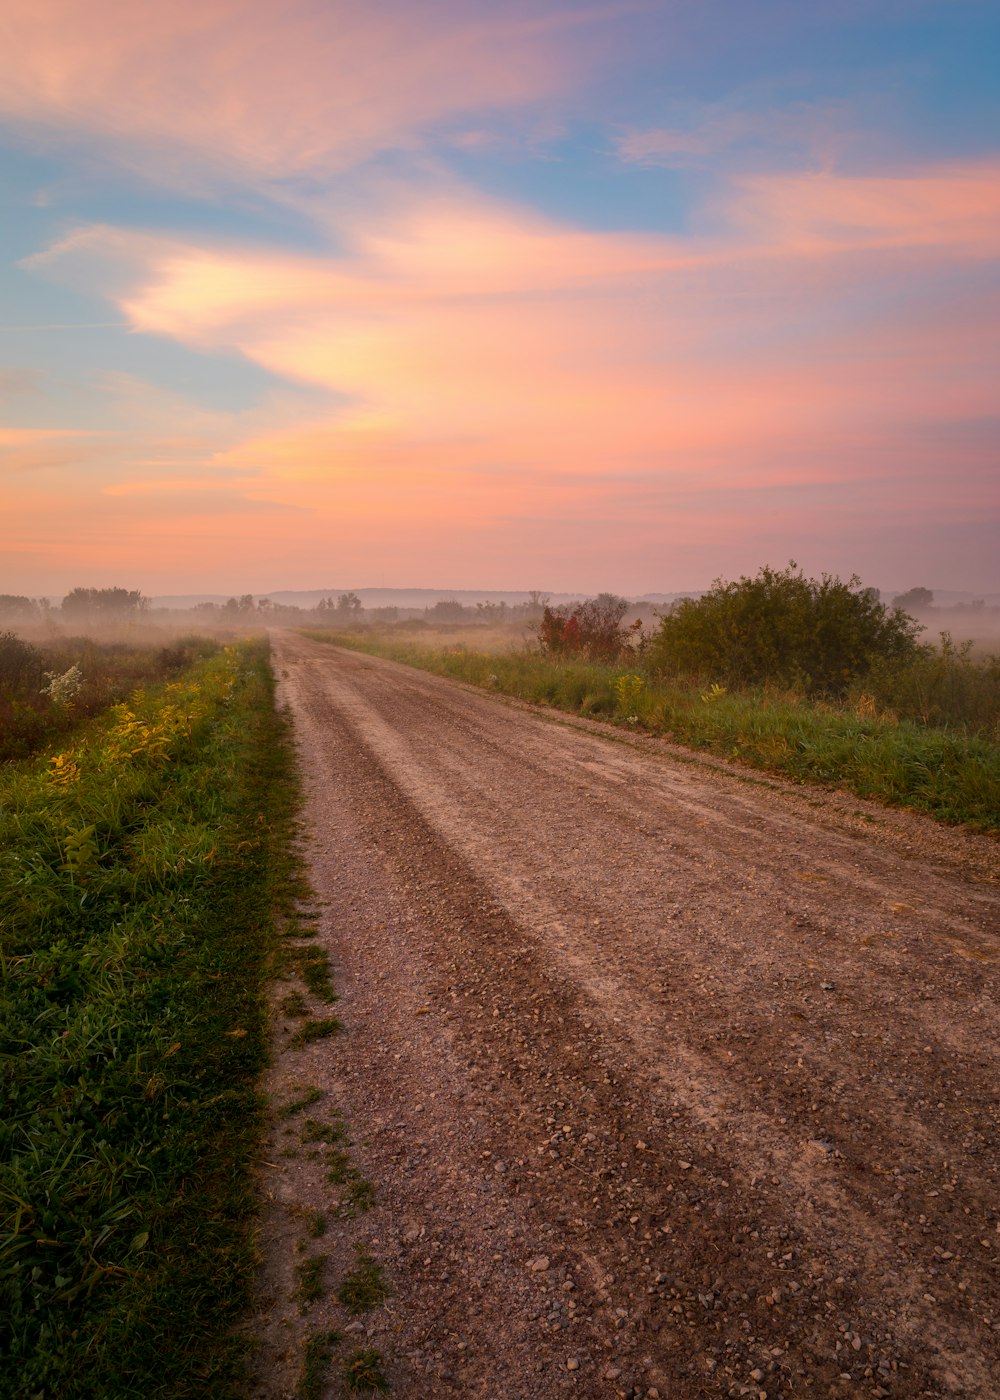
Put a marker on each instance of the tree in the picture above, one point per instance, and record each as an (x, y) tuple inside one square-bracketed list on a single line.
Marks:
[(241, 606), (15, 608), (447, 610), (818, 634), (349, 605), (914, 600), (103, 604)]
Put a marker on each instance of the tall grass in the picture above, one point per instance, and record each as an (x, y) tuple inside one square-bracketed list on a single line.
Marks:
[(951, 771), (138, 871), (109, 671)]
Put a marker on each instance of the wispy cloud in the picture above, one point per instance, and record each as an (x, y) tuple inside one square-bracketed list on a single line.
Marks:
[(249, 88), (459, 333), (811, 133)]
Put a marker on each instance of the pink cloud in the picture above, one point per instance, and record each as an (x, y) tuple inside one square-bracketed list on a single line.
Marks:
[(250, 86), (499, 372), (945, 207)]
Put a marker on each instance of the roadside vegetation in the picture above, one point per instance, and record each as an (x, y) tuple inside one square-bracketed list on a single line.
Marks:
[(48, 689), (813, 679), (141, 862)]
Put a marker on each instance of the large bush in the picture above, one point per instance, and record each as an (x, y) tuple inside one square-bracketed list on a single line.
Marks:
[(594, 630), (781, 627)]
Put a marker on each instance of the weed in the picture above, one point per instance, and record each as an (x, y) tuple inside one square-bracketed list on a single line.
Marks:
[(307, 1099), (316, 976), (341, 1169), (359, 1197), (294, 1005), (364, 1286), (358, 1194), (314, 1131), (628, 691), (315, 1362), (313, 1030), (363, 1371), (309, 1280), (318, 1224)]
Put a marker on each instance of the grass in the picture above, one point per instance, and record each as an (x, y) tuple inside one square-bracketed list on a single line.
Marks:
[(306, 1100), (363, 1371), (309, 1287), (315, 1364), (294, 1005), (139, 872), (314, 1131), (363, 1287), (108, 673), (316, 976), (358, 1194), (313, 966), (313, 1030), (950, 771)]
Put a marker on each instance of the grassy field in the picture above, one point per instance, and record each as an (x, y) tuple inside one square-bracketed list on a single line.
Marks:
[(48, 686), (140, 868), (951, 771)]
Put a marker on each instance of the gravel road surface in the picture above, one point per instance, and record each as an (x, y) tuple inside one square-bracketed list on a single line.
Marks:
[(671, 1080)]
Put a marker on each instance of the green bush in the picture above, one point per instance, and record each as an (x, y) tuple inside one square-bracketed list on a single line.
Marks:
[(784, 629), (940, 685)]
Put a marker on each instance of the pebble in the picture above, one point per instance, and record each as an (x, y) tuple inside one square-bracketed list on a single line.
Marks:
[(539, 1265), (572, 1364)]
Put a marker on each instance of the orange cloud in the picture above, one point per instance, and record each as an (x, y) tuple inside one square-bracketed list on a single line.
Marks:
[(39, 449)]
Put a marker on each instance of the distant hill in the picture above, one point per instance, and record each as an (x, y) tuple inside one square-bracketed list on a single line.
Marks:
[(394, 597), (427, 597)]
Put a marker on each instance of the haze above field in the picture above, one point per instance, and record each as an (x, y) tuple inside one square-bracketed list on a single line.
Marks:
[(446, 295)]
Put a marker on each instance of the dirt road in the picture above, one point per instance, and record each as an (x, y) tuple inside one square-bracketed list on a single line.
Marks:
[(670, 1080)]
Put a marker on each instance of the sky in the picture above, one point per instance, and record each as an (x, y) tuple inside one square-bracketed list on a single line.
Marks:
[(622, 295)]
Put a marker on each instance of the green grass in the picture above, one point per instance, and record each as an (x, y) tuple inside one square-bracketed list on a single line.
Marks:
[(363, 1287), (313, 1030), (358, 1195), (316, 976), (313, 966), (318, 1222), (138, 892), (309, 1287), (314, 1131), (951, 772), (305, 1100), (363, 1371), (294, 1005), (315, 1364)]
